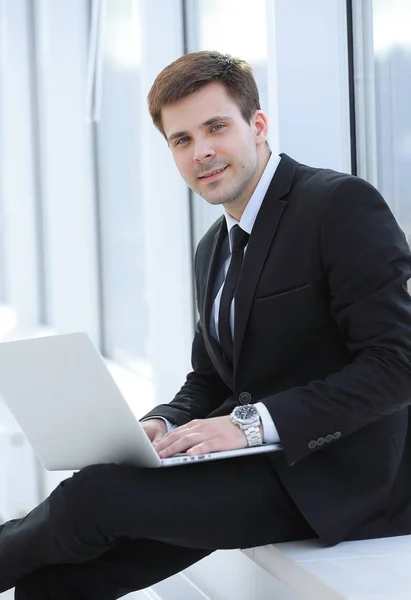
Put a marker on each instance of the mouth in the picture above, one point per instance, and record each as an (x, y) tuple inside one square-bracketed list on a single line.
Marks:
[(212, 175)]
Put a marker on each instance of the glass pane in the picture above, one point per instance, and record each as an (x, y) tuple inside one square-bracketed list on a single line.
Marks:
[(122, 219), (392, 63), (222, 26)]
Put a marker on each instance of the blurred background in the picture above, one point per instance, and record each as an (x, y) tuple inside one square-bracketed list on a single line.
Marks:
[(98, 231)]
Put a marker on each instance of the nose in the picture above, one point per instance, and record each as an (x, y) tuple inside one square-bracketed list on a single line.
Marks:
[(202, 152)]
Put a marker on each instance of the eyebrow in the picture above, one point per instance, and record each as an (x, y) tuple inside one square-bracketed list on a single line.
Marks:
[(210, 121)]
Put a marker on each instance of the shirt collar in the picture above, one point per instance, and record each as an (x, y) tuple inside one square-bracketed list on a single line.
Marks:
[(254, 204)]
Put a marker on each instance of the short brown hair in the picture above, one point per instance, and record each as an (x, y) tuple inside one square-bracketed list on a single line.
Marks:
[(195, 70)]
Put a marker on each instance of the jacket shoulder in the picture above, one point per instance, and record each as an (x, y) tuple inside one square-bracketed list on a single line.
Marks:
[(325, 187), (205, 245), (321, 177)]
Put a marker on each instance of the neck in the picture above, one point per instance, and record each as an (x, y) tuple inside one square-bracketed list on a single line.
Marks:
[(237, 208)]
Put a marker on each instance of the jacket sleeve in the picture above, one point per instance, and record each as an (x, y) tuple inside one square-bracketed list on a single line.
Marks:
[(366, 263), (202, 392)]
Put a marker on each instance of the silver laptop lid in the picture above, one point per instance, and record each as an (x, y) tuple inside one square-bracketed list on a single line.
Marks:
[(65, 400)]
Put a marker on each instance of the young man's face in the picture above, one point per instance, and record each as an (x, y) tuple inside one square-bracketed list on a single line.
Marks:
[(219, 155)]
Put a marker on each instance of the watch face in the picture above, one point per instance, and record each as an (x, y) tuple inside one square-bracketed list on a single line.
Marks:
[(246, 414)]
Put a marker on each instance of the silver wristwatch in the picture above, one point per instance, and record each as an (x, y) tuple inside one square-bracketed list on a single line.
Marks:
[(247, 418)]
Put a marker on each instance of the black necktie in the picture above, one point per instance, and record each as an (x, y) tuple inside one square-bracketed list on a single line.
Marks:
[(239, 239)]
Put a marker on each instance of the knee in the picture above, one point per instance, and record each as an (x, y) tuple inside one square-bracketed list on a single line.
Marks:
[(92, 489), (95, 477), (90, 501)]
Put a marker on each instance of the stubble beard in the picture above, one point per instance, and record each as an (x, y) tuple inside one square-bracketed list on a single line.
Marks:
[(227, 198), (235, 193)]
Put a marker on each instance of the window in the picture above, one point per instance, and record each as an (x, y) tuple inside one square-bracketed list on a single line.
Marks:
[(122, 215), (382, 36), (224, 26)]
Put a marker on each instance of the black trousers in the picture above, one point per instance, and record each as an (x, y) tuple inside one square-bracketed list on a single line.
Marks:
[(109, 529)]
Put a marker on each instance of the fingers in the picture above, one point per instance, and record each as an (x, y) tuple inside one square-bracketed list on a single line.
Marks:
[(200, 436), (172, 445), (158, 437), (212, 445), (154, 428), (193, 444), (171, 438)]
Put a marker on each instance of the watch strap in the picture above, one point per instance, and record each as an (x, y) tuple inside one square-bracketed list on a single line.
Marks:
[(253, 436)]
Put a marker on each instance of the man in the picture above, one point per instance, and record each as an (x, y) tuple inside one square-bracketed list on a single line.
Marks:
[(305, 319)]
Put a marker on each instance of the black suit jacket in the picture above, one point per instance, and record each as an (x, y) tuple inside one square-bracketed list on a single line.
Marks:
[(322, 336)]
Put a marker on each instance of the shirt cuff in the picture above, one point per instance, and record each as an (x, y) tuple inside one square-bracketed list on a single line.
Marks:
[(169, 425), (270, 430)]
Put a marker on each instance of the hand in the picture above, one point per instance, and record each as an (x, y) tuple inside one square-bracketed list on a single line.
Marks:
[(202, 435), (155, 429)]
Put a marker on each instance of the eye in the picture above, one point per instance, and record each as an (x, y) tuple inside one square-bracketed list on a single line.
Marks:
[(217, 127), (181, 141)]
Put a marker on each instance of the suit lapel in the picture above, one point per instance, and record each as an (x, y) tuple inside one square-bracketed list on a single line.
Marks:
[(261, 238), (213, 348)]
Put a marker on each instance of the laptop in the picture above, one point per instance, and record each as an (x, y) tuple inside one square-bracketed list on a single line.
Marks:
[(61, 393)]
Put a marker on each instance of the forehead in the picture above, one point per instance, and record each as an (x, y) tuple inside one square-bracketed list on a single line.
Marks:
[(193, 110)]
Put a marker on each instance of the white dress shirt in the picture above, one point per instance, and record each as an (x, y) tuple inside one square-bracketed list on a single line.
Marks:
[(246, 223)]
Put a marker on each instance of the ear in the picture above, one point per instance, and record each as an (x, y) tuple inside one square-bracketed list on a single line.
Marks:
[(260, 127)]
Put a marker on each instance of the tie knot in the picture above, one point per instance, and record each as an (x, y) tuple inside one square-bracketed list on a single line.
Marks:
[(239, 237)]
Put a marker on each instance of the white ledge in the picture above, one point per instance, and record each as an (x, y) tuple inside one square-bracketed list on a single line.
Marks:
[(360, 570)]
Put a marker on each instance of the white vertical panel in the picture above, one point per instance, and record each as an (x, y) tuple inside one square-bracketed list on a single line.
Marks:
[(17, 176), (66, 166)]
